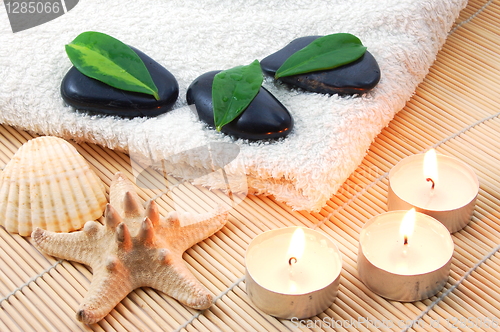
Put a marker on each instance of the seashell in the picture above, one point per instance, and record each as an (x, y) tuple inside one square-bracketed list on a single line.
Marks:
[(48, 184)]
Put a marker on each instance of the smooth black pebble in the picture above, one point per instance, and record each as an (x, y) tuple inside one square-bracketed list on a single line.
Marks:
[(85, 93), (357, 77), (264, 118)]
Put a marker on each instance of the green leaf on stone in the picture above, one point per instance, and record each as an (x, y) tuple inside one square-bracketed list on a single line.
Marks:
[(233, 90), (110, 61), (324, 53)]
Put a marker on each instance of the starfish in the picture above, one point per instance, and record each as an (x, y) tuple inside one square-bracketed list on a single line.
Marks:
[(135, 248)]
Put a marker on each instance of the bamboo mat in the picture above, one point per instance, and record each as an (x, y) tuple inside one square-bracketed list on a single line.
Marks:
[(456, 110)]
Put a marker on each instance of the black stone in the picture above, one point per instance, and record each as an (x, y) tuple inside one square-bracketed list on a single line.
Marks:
[(357, 77), (264, 118), (87, 94)]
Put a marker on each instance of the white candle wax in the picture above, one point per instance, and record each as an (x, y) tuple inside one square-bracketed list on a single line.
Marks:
[(451, 200), (316, 268), (302, 289), (402, 272), (427, 248), (455, 187)]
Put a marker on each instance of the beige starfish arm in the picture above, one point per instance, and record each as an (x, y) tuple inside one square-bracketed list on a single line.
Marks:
[(110, 284), (124, 198), (174, 279), (202, 227), (76, 246)]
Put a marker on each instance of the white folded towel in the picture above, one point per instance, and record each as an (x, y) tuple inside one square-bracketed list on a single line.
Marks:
[(190, 37)]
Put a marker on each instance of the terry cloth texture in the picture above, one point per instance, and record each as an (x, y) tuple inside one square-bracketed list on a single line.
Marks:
[(190, 37)]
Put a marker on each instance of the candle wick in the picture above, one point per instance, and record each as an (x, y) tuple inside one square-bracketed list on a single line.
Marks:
[(431, 180), (290, 260), (406, 240)]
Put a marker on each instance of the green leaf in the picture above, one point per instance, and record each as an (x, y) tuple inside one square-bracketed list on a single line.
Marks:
[(324, 53), (233, 90), (108, 60)]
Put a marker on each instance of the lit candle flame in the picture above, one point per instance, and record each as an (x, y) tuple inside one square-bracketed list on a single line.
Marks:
[(297, 244), (430, 167), (407, 225)]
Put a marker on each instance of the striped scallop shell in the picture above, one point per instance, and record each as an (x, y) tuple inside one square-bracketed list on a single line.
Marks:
[(48, 184)]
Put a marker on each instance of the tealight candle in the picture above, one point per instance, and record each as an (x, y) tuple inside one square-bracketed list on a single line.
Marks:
[(440, 186), (292, 272), (404, 255)]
